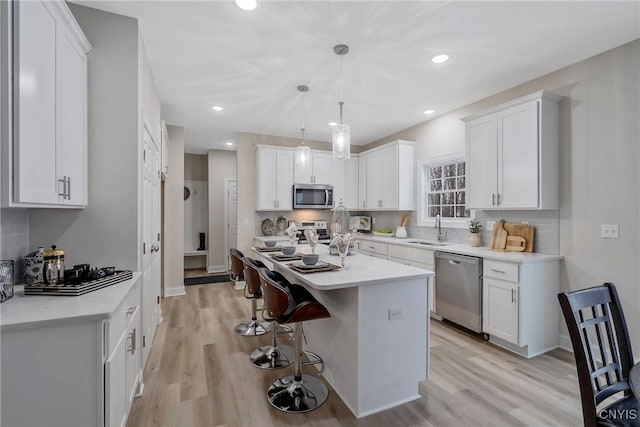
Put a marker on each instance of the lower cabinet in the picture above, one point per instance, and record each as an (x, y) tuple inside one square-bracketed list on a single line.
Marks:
[(500, 306)]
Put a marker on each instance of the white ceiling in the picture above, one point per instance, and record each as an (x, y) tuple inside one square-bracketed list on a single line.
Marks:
[(206, 53)]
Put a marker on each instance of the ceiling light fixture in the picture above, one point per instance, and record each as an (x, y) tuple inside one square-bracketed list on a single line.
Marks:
[(427, 112), (247, 4), (217, 108), (341, 136), (228, 143), (440, 59), (303, 152), (333, 123)]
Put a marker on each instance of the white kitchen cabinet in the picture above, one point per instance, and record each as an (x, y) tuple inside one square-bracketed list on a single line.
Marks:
[(512, 154), (519, 305), (373, 248), (362, 182), (317, 170), (49, 147), (416, 257), (274, 173), (390, 173), (345, 182)]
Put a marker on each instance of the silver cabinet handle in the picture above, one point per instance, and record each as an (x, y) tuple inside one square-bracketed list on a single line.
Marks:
[(68, 188), (363, 204), (498, 199), (132, 345), (493, 199), (130, 310), (64, 187), (498, 271), (513, 296)]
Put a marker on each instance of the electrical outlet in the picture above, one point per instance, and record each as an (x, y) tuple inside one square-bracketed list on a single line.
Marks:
[(608, 231), (373, 220), (395, 313), (490, 225)]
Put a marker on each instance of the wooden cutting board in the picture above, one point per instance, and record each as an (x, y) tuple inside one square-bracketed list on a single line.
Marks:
[(516, 244), (499, 239), (521, 230)]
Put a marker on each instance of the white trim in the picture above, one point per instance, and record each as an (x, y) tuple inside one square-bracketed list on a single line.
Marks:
[(217, 269), (460, 223), (71, 24), (174, 292), (227, 180)]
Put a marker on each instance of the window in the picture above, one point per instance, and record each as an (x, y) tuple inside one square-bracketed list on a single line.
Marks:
[(443, 191)]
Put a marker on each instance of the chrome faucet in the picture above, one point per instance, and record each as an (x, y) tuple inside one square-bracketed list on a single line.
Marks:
[(438, 224)]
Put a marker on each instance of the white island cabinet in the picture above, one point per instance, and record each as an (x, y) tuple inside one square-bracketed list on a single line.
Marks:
[(71, 361), (374, 360), (47, 148)]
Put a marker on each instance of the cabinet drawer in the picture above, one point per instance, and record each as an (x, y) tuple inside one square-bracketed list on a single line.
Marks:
[(118, 323), (374, 247), (508, 271), (423, 256)]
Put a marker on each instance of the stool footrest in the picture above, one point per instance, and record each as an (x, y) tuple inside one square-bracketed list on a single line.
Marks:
[(317, 359)]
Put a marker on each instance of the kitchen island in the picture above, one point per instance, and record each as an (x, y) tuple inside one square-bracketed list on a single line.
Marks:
[(375, 345)]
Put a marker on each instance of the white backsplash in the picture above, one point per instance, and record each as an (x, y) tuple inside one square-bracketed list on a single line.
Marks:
[(14, 233)]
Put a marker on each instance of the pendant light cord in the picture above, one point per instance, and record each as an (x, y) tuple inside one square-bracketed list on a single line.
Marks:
[(303, 115)]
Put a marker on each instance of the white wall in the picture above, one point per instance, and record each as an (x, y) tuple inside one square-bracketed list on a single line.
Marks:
[(196, 219), (173, 232), (105, 232), (222, 164), (599, 157), (14, 238)]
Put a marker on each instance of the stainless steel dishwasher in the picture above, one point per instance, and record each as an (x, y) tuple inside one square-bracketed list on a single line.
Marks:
[(459, 289)]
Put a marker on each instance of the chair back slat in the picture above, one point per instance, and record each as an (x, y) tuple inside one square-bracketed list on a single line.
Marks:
[(251, 276), (597, 326), (237, 266)]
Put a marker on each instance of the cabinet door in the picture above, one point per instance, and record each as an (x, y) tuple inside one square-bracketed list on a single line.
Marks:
[(362, 182), (132, 357), (482, 163), (266, 178), (389, 177), (339, 182), (518, 157), (374, 180), (71, 101), (500, 309), (35, 175), (284, 180), (351, 182), (115, 393), (322, 168), (303, 172)]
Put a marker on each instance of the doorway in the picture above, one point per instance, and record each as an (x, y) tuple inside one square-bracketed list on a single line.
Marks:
[(230, 218)]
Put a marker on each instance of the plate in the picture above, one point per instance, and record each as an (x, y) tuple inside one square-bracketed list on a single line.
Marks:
[(303, 266)]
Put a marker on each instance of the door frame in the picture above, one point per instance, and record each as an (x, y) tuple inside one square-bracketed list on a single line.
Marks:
[(227, 180)]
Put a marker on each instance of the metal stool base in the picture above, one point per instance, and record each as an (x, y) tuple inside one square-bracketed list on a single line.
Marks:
[(252, 328), (269, 357), (297, 397)]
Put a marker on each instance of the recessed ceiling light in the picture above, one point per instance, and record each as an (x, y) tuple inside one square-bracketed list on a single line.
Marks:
[(217, 108), (429, 111), (246, 4), (228, 143), (439, 59), (333, 123)]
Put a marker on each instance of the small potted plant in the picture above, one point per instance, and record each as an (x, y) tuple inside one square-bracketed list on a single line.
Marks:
[(474, 229)]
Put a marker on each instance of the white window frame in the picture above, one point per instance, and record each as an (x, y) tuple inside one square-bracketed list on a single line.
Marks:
[(423, 219)]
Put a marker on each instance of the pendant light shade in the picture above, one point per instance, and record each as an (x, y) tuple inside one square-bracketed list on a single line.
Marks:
[(303, 152), (341, 135)]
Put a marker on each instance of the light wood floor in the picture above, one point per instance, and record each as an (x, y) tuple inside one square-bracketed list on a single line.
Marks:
[(198, 374)]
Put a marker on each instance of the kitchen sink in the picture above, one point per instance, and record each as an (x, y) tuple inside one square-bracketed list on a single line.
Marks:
[(422, 242)]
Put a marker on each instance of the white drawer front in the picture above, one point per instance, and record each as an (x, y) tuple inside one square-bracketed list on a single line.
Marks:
[(118, 323), (374, 247), (508, 271), (423, 256)]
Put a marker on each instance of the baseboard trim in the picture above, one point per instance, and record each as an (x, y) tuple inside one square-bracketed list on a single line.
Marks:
[(174, 292), (217, 269)]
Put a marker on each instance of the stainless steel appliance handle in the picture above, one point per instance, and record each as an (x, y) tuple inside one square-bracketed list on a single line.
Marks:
[(454, 262), (326, 197)]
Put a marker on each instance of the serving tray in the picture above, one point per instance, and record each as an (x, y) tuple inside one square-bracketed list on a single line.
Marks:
[(79, 289), (294, 257), (265, 249), (328, 267)]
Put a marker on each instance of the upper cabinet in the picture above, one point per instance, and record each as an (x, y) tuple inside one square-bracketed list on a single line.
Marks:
[(274, 174), (346, 182), (316, 171), (47, 166), (390, 176), (512, 155)]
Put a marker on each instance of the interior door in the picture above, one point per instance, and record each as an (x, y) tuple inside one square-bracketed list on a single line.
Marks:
[(232, 219), (151, 242)]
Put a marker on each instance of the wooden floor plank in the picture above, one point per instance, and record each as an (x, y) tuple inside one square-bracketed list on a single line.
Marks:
[(198, 374)]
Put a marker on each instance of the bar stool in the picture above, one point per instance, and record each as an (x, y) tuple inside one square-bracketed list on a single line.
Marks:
[(252, 328), (271, 356), (288, 303)]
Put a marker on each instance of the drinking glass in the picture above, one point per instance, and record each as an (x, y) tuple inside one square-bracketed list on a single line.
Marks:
[(343, 248)]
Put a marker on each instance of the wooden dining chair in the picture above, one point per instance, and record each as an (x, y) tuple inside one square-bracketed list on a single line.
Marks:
[(603, 353)]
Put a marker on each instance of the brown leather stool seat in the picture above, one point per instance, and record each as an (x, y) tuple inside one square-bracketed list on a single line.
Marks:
[(252, 328), (271, 356), (289, 303)]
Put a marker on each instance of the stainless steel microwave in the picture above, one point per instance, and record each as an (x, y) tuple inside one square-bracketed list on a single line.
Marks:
[(312, 196)]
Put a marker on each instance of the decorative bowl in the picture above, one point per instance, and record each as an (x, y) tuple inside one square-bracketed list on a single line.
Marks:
[(270, 243), (310, 259), (288, 250)]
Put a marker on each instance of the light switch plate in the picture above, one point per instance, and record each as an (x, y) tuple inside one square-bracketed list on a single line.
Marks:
[(490, 225), (610, 231)]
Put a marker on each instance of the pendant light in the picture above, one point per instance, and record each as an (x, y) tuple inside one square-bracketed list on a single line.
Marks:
[(341, 137), (303, 152)]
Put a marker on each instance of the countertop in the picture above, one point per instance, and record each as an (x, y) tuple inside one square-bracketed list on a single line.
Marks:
[(457, 248), (361, 270), (22, 312)]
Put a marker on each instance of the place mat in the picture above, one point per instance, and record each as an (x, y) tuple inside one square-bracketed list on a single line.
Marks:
[(265, 249), (328, 267), (294, 257), (79, 289)]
